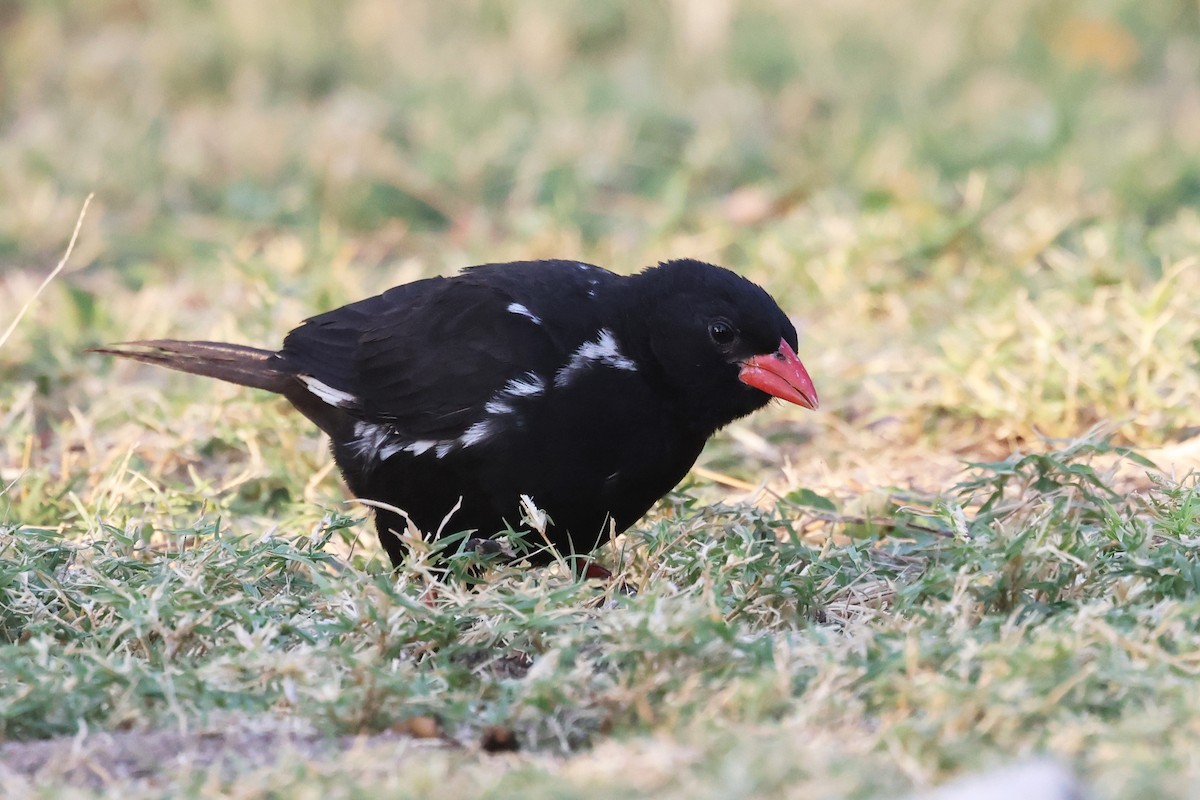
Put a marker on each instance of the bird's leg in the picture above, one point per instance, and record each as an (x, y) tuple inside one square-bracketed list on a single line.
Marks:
[(388, 525), (587, 569)]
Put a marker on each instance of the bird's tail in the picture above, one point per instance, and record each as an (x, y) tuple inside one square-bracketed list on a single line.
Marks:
[(235, 363)]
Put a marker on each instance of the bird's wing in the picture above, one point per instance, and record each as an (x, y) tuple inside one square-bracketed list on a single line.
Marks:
[(431, 362)]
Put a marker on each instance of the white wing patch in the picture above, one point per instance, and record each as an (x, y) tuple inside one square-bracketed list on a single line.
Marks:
[(527, 385), (476, 433), (389, 450), (517, 308), (419, 446), (603, 350), (328, 394), (371, 441), (379, 442)]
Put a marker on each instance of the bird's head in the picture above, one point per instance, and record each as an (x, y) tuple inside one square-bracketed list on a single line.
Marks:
[(720, 342)]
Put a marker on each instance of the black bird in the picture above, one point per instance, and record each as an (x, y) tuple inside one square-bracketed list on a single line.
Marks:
[(588, 392)]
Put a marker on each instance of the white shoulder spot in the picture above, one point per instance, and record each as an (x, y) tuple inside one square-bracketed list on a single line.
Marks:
[(328, 394), (517, 308), (601, 350)]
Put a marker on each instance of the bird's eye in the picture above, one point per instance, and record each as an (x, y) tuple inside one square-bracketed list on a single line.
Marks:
[(721, 331)]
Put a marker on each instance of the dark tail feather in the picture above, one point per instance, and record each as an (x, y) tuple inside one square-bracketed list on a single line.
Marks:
[(235, 363)]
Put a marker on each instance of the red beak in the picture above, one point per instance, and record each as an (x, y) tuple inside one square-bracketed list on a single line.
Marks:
[(781, 375)]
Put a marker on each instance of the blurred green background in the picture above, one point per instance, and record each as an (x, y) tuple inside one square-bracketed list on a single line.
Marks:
[(982, 214), (597, 118)]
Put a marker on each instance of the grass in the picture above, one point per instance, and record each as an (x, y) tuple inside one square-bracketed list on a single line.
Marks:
[(983, 548)]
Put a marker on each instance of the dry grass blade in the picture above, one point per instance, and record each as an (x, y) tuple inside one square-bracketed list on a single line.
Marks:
[(49, 278)]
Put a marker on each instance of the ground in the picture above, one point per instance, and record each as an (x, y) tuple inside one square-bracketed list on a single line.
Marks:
[(983, 548)]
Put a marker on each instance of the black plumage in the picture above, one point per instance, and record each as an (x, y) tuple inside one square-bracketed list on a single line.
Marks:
[(588, 392)]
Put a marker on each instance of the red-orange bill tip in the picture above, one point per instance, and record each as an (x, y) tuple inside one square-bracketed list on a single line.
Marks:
[(780, 374)]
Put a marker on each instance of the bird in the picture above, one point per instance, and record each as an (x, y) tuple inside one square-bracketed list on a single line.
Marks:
[(459, 403)]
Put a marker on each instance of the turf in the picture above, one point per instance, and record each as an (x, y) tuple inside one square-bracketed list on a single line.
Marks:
[(986, 546)]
